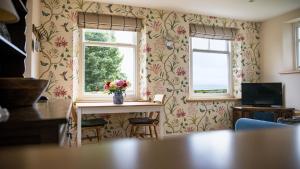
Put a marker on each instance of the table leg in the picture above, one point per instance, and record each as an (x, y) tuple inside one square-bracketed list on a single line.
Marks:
[(161, 122), (79, 127), (234, 117)]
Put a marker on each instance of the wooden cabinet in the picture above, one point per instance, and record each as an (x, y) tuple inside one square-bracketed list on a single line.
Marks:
[(248, 111), (44, 123)]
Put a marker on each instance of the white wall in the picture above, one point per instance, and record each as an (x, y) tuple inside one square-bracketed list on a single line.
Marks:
[(32, 58), (278, 56)]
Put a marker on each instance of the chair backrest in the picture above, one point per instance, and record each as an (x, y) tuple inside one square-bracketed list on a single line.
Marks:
[(158, 98), (248, 124), (74, 114)]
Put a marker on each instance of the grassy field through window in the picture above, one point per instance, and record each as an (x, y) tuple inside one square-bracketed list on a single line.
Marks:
[(211, 91)]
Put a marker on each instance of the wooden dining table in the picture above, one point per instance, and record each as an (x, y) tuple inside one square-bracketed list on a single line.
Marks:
[(110, 108), (259, 149)]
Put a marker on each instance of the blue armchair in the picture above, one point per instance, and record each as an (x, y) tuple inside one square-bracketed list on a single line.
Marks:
[(248, 124)]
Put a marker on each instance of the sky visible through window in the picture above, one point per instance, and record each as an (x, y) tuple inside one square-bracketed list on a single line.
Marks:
[(210, 70), (127, 66)]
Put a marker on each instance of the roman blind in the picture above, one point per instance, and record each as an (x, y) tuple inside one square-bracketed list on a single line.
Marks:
[(212, 32), (108, 22)]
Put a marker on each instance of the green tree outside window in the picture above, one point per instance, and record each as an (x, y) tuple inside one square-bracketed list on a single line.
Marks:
[(101, 63)]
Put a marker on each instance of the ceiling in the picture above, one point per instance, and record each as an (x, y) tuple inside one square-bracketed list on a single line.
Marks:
[(258, 10)]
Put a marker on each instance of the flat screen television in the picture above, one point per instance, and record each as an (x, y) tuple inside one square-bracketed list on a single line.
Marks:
[(262, 94)]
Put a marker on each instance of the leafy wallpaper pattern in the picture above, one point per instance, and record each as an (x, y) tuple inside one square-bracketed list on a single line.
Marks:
[(163, 56)]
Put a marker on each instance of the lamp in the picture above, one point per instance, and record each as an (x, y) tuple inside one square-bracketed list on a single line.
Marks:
[(8, 13)]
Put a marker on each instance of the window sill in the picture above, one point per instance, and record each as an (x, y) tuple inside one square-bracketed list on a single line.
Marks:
[(290, 72), (213, 99)]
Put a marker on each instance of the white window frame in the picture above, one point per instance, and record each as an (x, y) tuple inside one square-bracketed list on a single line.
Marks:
[(296, 44), (193, 95), (94, 96)]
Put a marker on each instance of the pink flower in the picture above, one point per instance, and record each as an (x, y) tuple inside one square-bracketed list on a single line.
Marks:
[(181, 30), (147, 49), (189, 129), (180, 71), (116, 86), (156, 25), (121, 83), (59, 91), (239, 37), (106, 85), (125, 84), (221, 110), (72, 16), (180, 113), (212, 17), (155, 68), (147, 93), (60, 42)]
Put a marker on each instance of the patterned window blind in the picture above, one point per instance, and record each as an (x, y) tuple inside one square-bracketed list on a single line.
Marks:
[(108, 22), (212, 32)]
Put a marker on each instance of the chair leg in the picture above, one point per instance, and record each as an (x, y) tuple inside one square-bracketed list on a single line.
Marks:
[(102, 130), (97, 134), (75, 137), (136, 130), (155, 132), (131, 131), (150, 129)]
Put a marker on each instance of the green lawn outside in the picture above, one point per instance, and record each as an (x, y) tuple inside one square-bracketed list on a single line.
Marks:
[(211, 91)]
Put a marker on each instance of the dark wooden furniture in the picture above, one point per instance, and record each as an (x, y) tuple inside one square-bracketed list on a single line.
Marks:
[(261, 149), (247, 112), (44, 123), (12, 61), (20, 92), (151, 120)]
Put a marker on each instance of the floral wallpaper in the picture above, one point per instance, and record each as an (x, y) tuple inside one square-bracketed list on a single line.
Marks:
[(163, 56)]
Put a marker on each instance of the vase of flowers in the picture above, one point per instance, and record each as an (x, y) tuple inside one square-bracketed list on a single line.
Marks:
[(117, 88), (118, 98)]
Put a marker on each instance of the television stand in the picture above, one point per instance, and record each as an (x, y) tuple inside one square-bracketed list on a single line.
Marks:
[(248, 111)]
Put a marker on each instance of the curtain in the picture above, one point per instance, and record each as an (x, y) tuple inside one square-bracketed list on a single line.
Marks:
[(109, 22), (212, 32)]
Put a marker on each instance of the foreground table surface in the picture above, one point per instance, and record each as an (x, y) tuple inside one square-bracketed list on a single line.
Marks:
[(264, 149)]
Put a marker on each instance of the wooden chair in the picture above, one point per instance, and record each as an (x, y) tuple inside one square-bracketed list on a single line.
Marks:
[(151, 120), (96, 124)]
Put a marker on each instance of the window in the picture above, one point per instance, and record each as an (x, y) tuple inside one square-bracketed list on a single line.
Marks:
[(210, 67), (107, 55), (297, 44)]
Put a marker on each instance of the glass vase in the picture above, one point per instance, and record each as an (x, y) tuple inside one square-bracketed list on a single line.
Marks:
[(118, 98)]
